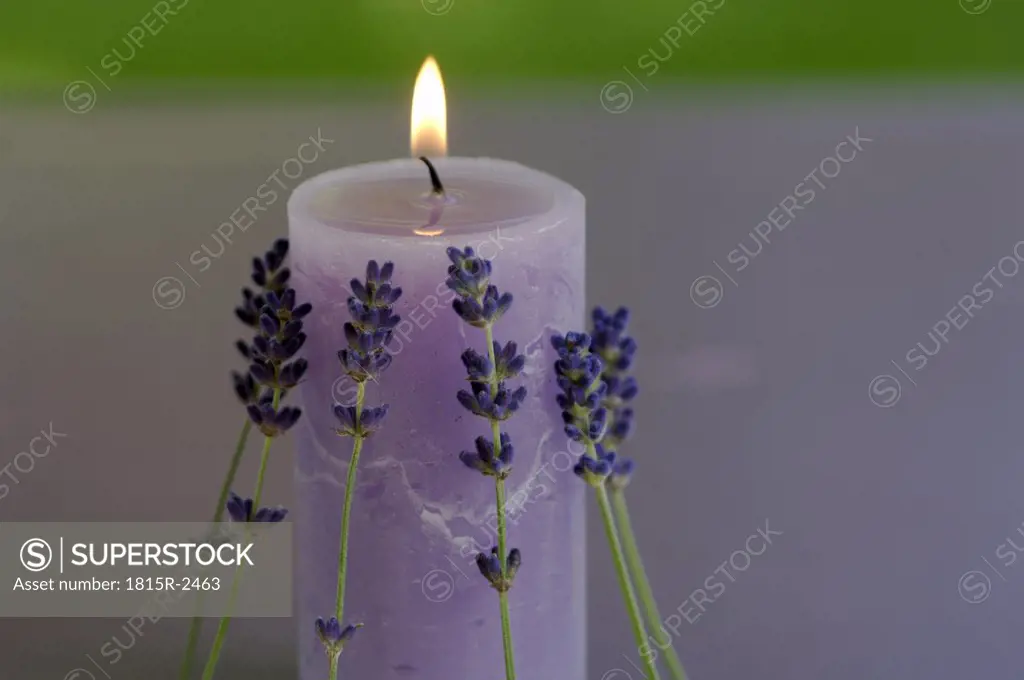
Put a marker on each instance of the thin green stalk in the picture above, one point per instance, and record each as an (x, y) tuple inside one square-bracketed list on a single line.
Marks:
[(229, 478), (628, 595), (263, 459), (506, 622), (643, 585), (218, 515), (346, 512), (222, 629), (499, 492)]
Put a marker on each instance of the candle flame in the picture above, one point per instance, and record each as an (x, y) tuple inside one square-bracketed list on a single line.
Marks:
[(429, 133)]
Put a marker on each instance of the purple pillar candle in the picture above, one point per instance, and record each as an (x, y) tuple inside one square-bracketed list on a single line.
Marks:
[(419, 515)]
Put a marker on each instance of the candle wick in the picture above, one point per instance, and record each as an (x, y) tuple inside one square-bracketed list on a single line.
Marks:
[(434, 179)]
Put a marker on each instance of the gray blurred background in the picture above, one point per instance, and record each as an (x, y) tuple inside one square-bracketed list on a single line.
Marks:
[(779, 396)]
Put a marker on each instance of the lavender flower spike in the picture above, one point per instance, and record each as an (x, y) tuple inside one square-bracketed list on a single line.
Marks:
[(273, 369), (617, 350), (481, 305), (596, 390), (366, 356), (373, 323)]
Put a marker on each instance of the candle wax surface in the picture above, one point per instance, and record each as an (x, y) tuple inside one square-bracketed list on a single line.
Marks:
[(401, 207)]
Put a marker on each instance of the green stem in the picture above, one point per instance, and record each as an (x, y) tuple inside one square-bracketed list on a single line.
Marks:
[(229, 478), (499, 492), (222, 629), (346, 512), (506, 621), (643, 585), (628, 595), (334, 665), (263, 460), (218, 515)]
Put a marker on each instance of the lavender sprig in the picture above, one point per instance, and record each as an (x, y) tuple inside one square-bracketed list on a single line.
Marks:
[(610, 341), (588, 406), (273, 370), (480, 304), (270, 275), (365, 358)]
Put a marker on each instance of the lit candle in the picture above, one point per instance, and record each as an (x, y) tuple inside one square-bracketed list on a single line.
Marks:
[(419, 515)]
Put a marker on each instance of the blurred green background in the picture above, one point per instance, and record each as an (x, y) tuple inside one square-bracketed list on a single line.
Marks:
[(46, 43)]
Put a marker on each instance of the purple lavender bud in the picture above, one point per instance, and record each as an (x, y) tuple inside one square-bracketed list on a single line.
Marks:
[(477, 365), (346, 415), (468, 274), (248, 312), (621, 473), (261, 345), (367, 422), (593, 471), (333, 636), (263, 371), (622, 426), (468, 401), (270, 422), (389, 294), (291, 329), (293, 345), (473, 462), (598, 424), (484, 459), (269, 325), (512, 564), (571, 343), (574, 433), (276, 352), (279, 280), (245, 388), (270, 515), (372, 272), (504, 303), (286, 418), (507, 451), (259, 272), (359, 291), (489, 565), (372, 418), (516, 398), (485, 449), (280, 248), (456, 255), (239, 509), (510, 364), (292, 373)]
